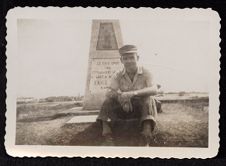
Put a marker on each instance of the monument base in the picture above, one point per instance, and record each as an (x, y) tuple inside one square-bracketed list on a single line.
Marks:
[(93, 102)]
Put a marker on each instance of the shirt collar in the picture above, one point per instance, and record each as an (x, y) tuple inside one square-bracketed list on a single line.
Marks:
[(139, 70)]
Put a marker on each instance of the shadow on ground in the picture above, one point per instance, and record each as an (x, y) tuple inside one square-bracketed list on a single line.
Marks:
[(124, 135)]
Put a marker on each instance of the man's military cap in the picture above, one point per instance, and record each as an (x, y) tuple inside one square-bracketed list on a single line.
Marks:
[(127, 49)]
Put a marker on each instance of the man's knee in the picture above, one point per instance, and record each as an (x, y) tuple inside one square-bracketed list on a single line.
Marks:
[(104, 111), (148, 100), (108, 101), (107, 109), (154, 104), (148, 104), (107, 104)]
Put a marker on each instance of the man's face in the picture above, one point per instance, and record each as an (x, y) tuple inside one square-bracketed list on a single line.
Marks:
[(129, 60)]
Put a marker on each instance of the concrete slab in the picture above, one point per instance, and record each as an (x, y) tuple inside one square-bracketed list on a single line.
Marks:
[(83, 119), (80, 111)]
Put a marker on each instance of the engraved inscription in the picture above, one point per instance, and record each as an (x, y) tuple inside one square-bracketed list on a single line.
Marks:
[(101, 73)]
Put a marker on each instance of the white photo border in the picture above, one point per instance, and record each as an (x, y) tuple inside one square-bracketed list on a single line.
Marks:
[(111, 13)]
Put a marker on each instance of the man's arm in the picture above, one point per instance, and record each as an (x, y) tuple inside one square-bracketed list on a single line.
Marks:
[(149, 91), (112, 93)]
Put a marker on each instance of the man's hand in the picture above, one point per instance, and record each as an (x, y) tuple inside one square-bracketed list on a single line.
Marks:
[(111, 93), (124, 100), (127, 95)]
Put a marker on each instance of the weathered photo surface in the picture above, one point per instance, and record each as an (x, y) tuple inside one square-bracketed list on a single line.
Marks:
[(112, 82)]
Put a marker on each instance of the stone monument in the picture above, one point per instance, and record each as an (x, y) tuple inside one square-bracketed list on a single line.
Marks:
[(104, 61)]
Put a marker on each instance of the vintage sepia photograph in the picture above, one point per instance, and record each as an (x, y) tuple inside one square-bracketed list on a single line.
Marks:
[(114, 81)]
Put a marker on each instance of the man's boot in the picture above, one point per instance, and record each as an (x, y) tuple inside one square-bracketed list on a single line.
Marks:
[(144, 140), (146, 134)]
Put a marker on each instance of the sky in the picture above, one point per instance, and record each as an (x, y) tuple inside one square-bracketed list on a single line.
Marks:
[(53, 54)]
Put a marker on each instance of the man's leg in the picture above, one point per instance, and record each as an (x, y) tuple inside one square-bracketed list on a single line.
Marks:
[(108, 110), (148, 110)]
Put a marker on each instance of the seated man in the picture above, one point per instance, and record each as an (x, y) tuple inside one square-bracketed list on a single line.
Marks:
[(130, 96)]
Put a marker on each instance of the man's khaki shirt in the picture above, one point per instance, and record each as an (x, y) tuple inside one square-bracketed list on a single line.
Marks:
[(121, 81)]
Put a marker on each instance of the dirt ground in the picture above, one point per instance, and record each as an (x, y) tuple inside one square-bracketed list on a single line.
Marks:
[(180, 125)]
